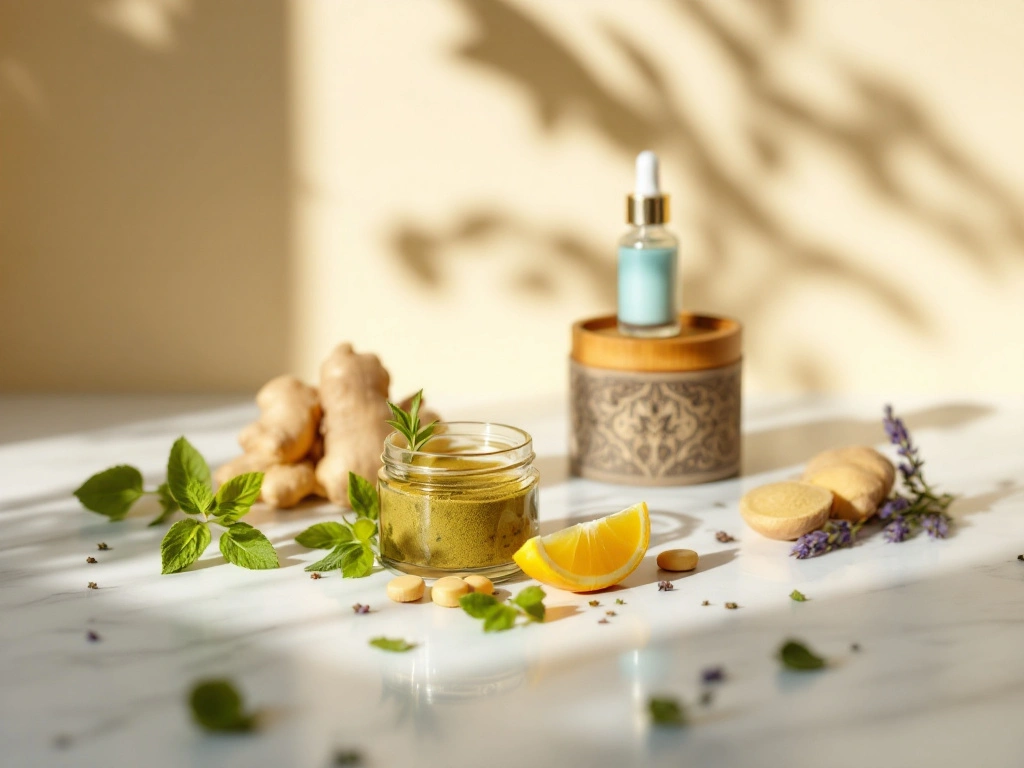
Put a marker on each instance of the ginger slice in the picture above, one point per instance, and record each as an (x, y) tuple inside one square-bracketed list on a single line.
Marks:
[(862, 456), (289, 418), (786, 510), (856, 491)]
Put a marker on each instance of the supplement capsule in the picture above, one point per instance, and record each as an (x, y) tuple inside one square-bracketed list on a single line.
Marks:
[(406, 589), (446, 591), (677, 560), (479, 583)]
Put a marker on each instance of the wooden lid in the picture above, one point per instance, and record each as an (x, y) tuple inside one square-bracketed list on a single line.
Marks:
[(705, 342)]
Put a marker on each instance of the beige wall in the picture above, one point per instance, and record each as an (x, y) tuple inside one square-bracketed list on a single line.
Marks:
[(441, 181)]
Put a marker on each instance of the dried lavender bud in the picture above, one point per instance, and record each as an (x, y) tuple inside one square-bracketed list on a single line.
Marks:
[(91, 636), (665, 586), (705, 603), (604, 621), (892, 507), (315, 576), (712, 675), (731, 606), (935, 525), (91, 560), (610, 613), (103, 546), (835, 534), (360, 608), (724, 537), (92, 585), (897, 530)]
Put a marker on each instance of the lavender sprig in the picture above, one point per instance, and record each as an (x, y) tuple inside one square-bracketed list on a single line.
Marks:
[(835, 534)]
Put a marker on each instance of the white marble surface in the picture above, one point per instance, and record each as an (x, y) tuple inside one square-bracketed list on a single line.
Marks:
[(938, 681)]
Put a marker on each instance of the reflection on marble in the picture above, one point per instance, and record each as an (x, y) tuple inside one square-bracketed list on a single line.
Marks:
[(937, 680)]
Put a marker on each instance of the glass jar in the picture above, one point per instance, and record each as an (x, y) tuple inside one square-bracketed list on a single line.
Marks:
[(464, 503)]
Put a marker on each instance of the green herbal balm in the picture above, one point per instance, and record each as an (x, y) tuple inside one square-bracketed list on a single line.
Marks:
[(464, 503)]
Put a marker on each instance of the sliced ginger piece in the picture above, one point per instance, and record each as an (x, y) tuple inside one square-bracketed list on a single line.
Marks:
[(856, 491), (786, 510), (863, 456)]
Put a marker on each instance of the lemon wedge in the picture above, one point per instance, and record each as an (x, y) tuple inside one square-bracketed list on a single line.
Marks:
[(591, 555)]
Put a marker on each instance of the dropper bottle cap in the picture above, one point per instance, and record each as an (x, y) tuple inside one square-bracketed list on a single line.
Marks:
[(647, 204)]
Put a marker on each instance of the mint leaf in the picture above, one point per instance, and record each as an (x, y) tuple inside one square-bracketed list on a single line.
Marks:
[(185, 541), (364, 529), (531, 600), (324, 535), (357, 562), (237, 495), (798, 596), (167, 504), (198, 498), (666, 711), (217, 706), (393, 644), (477, 604), (796, 655), (185, 463), (243, 545), (500, 618), (111, 492), (362, 496), (332, 561)]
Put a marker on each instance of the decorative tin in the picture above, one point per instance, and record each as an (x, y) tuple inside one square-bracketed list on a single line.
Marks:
[(656, 411)]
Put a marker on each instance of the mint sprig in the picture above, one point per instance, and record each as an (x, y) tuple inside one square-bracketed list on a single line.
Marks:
[(114, 491), (498, 616), (352, 545), (407, 423)]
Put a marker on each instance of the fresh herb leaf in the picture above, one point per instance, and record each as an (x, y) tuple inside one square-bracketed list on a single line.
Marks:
[(236, 497), (324, 535), (185, 463), (217, 706), (393, 644), (357, 562), (666, 711), (798, 596), (112, 492), (362, 496), (198, 498), (500, 618), (243, 545), (477, 604), (408, 423), (531, 600), (167, 504), (185, 541), (796, 655), (364, 529)]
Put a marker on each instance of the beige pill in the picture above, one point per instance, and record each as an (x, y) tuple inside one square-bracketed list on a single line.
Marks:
[(786, 510), (677, 560), (406, 589), (447, 591), (478, 583), (863, 456), (857, 492)]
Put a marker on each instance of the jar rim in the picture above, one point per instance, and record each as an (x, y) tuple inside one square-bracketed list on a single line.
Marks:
[(516, 450)]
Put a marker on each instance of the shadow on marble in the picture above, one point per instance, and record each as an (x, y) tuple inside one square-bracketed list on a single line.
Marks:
[(793, 445)]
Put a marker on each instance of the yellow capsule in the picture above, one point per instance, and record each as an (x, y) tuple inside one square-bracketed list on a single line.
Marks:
[(406, 589), (446, 591)]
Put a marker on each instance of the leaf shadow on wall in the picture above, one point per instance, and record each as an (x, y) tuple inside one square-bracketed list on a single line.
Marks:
[(733, 209)]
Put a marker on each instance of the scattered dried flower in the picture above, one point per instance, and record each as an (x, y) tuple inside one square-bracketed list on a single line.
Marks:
[(705, 602), (897, 530), (797, 596), (665, 586), (731, 606), (91, 560), (724, 537), (712, 675), (1020, 557), (103, 546), (91, 636), (835, 534), (604, 621), (620, 601), (594, 603), (92, 585), (610, 613), (855, 647), (315, 575), (360, 608)]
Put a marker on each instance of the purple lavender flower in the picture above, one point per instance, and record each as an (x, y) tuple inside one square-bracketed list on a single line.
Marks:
[(897, 530), (840, 533), (892, 507), (810, 545), (936, 525), (712, 675)]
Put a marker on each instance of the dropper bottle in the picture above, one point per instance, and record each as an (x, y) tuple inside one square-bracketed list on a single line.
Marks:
[(648, 260)]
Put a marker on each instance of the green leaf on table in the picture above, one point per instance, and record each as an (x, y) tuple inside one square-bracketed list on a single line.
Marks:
[(243, 545), (500, 618), (798, 596), (796, 655), (324, 535), (342, 556), (393, 644), (198, 498), (362, 496), (185, 541), (364, 529), (477, 604), (111, 492), (236, 497), (666, 711), (531, 600), (185, 463), (357, 561), (168, 505), (217, 706)]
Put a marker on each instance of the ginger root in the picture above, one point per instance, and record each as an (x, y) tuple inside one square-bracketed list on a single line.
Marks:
[(289, 417), (859, 477), (353, 395)]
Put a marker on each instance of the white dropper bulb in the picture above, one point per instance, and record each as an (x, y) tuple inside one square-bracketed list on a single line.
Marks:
[(647, 175)]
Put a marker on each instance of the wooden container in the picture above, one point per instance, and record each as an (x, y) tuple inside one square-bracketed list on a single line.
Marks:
[(656, 411)]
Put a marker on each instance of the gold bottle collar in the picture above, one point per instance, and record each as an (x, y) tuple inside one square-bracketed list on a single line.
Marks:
[(647, 210)]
